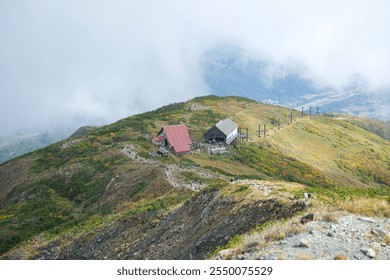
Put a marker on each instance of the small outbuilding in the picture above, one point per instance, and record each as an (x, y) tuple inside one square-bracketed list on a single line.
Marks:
[(177, 137), (159, 140), (224, 132)]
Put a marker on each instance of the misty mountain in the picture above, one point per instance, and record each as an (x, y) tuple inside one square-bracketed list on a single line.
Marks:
[(23, 143), (227, 71)]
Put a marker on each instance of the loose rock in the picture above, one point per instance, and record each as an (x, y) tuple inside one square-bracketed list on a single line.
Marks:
[(304, 243), (307, 218), (369, 252), (351, 237)]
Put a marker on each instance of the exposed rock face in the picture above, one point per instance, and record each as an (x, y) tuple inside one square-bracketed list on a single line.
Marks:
[(196, 228)]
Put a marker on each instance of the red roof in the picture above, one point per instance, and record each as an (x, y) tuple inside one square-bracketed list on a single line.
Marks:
[(178, 137)]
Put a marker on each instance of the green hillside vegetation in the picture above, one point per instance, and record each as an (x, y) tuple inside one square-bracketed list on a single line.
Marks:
[(81, 183)]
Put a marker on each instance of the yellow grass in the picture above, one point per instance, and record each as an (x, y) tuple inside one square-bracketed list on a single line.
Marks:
[(324, 143), (234, 168), (365, 206)]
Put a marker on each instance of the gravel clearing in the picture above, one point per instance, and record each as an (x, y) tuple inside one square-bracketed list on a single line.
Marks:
[(351, 237)]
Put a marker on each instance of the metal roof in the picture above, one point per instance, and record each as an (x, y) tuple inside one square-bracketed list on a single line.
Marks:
[(178, 137), (226, 126), (159, 138)]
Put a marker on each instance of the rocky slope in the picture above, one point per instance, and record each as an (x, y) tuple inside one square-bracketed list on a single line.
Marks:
[(191, 231), (348, 236)]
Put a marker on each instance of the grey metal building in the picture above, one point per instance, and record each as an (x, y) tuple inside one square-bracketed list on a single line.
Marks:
[(224, 131)]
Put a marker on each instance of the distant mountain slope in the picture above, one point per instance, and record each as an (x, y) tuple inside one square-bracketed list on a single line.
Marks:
[(228, 72), (84, 130), (105, 193), (25, 143)]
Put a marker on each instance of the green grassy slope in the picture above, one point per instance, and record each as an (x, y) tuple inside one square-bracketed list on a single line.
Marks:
[(77, 184)]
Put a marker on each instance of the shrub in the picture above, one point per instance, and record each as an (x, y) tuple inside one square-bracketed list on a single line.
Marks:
[(215, 185)]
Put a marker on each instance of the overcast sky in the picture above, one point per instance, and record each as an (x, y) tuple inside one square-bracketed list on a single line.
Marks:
[(93, 62)]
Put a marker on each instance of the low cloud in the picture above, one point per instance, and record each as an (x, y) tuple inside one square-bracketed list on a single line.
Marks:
[(73, 63)]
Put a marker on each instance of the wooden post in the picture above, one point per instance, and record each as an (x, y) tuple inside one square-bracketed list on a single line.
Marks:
[(264, 129), (278, 123), (310, 112), (302, 113), (247, 134), (291, 117), (259, 132)]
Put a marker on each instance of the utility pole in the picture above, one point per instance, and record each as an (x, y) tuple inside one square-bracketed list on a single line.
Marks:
[(310, 112), (247, 134), (259, 131), (302, 113), (265, 130), (278, 123), (291, 117)]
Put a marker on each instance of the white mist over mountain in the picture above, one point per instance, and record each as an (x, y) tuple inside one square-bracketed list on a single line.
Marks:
[(228, 72), (90, 62)]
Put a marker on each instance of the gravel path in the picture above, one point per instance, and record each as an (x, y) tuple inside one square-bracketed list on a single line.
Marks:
[(351, 237)]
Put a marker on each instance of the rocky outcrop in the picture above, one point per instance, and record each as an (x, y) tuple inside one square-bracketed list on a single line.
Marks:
[(192, 231)]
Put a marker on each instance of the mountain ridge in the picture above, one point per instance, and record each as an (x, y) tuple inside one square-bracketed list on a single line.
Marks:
[(82, 189)]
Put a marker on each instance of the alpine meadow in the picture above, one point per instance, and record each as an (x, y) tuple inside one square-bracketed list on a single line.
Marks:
[(108, 192)]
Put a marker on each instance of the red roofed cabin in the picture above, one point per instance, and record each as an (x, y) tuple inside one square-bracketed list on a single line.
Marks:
[(177, 137)]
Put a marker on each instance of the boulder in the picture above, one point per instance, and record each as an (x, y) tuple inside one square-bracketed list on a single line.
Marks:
[(307, 218), (304, 243), (369, 252)]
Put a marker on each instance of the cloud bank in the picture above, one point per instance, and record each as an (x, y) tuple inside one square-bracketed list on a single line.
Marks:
[(72, 63)]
